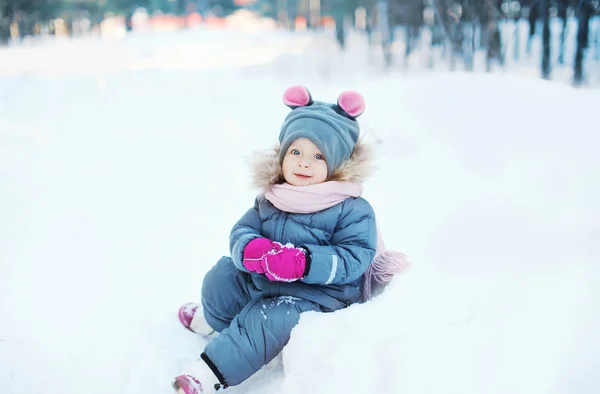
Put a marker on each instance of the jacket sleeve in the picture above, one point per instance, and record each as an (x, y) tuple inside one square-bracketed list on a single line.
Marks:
[(244, 231), (352, 249)]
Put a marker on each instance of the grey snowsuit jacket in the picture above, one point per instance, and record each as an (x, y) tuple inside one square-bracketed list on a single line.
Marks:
[(255, 316)]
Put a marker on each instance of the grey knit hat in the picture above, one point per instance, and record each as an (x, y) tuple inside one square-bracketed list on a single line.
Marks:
[(331, 127)]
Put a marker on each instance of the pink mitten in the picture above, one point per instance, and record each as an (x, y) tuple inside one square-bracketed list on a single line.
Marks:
[(285, 265), (255, 250)]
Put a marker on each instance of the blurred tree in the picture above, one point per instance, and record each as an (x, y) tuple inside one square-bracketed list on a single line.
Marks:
[(407, 15), (4, 25), (369, 6), (385, 28), (124, 6), (471, 17), (515, 13), (545, 11), (584, 14), (455, 26), (340, 10), (563, 5), (27, 14), (533, 15), (494, 38)]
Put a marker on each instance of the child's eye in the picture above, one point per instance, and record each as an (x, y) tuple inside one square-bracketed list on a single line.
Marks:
[(319, 156), (295, 152)]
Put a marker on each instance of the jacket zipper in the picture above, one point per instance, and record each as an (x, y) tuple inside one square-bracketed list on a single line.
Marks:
[(285, 215)]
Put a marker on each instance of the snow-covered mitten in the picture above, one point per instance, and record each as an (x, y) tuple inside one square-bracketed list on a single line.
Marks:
[(255, 250), (191, 316), (285, 265)]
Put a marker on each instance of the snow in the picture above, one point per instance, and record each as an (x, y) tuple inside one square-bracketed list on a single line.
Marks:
[(120, 185), (188, 50)]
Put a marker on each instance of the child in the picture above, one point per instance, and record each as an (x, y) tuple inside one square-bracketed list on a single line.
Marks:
[(305, 245)]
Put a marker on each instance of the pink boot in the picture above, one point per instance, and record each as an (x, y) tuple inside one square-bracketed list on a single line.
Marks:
[(187, 312), (198, 379), (191, 316), (186, 384)]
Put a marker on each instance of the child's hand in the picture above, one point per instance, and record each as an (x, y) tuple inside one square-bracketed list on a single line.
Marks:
[(254, 252), (284, 265)]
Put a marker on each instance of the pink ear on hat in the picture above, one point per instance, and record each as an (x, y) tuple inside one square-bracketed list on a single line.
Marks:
[(296, 96), (352, 103)]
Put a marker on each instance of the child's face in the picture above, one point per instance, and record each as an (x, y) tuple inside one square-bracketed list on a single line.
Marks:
[(304, 164)]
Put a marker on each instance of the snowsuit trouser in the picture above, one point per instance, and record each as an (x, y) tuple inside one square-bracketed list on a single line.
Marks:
[(254, 324)]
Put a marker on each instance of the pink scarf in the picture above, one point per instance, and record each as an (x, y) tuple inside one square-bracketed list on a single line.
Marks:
[(315, 198)]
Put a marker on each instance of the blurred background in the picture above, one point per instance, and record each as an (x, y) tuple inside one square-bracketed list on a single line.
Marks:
[(552, 39)]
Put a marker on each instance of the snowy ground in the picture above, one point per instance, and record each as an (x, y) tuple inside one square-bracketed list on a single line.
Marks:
[(119, 187)]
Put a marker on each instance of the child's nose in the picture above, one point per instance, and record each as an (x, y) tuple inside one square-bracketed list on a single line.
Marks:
[(303, 163)]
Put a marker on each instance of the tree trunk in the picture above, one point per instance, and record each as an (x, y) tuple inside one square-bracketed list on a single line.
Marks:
[(562, 15), (386, 31), (494, 38), (4, 30), (545, 8), (515, 12), (583, 18), (534, 13)]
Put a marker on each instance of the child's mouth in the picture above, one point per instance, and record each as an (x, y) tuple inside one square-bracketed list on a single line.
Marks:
[(302, 176)]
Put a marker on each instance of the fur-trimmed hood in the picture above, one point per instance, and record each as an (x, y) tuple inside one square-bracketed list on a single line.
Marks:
[(266, 169)]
